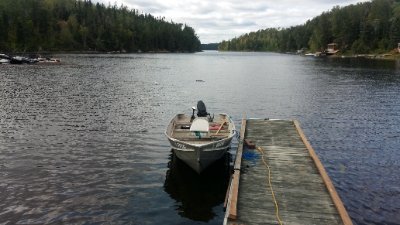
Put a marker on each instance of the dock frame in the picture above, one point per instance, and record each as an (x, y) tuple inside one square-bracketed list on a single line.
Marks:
[(300, 185)]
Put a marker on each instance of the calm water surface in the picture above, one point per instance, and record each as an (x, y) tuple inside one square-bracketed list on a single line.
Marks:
[(82, 142)]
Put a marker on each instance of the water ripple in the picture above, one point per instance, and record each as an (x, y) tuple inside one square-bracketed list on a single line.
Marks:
[(83, 142)]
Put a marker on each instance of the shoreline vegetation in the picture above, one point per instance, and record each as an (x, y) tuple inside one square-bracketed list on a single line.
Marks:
[(57, 52), (367, 29), (80, 26)]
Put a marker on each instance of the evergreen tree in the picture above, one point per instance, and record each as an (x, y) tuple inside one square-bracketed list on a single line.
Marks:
[(36, 25), (365, 27)]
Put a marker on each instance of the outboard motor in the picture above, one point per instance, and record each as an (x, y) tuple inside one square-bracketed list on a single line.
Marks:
[(201, 109)]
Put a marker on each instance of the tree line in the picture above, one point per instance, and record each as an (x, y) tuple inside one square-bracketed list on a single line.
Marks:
[(368, 27), (80, 25)]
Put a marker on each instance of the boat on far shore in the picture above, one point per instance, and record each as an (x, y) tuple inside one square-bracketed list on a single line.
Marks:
[(6, 59), (202, 140), (22, 60), (48, 60)]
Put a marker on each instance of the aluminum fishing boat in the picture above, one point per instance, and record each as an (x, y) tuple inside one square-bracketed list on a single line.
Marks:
[(200, 141)]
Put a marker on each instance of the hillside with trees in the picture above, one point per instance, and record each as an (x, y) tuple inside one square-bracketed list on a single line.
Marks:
[(210, 46), (368, 27), (80, 25)]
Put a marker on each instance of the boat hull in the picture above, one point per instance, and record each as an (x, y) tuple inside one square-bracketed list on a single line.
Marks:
[(200, 157)]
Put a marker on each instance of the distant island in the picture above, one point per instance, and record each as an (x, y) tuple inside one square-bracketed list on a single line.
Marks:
[(210, 46), (82, 26), (364, 28)]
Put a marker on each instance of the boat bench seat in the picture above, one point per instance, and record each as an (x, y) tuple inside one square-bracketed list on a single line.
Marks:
[(189, 136), (206, 139), (211, 131)]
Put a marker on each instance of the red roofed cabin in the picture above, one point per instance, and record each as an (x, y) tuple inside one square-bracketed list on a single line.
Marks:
[(332, 49)]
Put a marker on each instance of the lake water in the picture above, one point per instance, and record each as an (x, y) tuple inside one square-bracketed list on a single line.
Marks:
[(83, 143)]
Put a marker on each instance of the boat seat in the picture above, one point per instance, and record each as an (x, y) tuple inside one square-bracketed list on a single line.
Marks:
[(202, 139), (191, 136), (200, 125), (211, 131)]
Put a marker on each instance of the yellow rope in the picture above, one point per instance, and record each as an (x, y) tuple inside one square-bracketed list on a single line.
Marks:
[(261, 150)]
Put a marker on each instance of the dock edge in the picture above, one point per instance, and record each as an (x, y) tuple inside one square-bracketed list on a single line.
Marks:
[(327, 181), (233, 189)]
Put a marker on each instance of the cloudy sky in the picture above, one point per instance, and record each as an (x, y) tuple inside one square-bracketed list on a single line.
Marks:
[(217, 20)]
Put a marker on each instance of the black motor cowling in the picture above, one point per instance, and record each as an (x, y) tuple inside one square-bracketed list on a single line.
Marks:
[(201, 109)]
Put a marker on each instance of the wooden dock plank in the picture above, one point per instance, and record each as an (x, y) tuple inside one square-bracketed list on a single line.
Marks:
[(302, 190), (233, 190)]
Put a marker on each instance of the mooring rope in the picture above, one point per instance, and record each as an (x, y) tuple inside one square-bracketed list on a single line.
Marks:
[(261, 150)]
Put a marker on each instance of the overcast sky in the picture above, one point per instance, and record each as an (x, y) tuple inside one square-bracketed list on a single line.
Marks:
[(217, 20)]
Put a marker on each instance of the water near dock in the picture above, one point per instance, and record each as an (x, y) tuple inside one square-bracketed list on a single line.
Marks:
[(83, 141)]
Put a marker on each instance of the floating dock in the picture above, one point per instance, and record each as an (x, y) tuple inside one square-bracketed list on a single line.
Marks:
[(281, 180)]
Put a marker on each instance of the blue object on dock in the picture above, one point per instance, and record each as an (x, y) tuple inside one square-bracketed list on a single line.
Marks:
[(250, 155)]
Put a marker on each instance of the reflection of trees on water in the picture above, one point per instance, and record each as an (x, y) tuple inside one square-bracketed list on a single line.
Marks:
[(196, 195)]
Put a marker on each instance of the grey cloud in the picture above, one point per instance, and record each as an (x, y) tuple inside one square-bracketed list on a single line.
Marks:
[(256, 7)]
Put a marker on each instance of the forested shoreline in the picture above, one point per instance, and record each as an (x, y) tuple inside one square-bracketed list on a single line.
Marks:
[(80, 25), (368, 27)]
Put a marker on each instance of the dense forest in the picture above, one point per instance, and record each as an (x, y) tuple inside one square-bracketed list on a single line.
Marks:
[(80, 25), (369, 27)]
